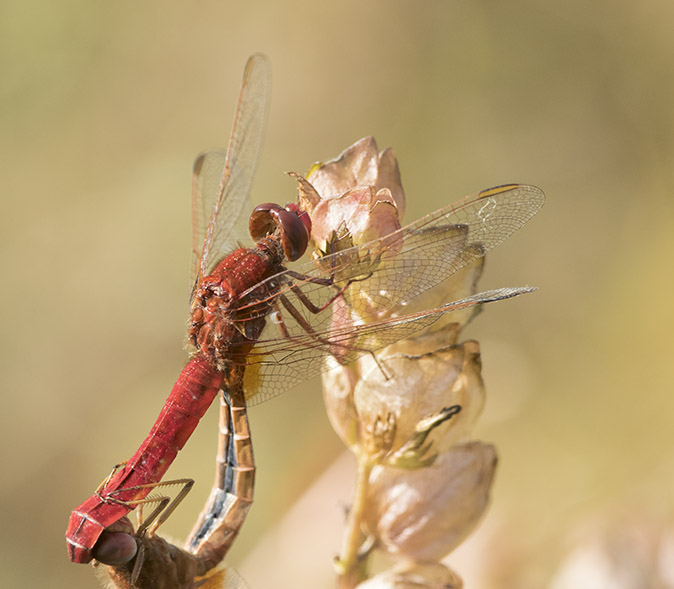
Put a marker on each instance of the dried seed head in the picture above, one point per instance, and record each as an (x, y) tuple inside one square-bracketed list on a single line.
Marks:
[(339, 383), (411, 575), (426, 375), (424, 514), (353, 199), (355, 217), (359, 165), (421, 375)]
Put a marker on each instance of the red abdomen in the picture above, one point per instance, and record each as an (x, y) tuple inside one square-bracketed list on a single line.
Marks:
[(225, 325), (191, 395)]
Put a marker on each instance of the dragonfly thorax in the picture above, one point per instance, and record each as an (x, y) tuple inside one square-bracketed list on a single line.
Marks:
[(230, 305)]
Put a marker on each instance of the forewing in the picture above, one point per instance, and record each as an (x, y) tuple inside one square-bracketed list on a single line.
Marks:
[(383, 276), (206, 176), (221, 182), (276, 364), (430, 250)]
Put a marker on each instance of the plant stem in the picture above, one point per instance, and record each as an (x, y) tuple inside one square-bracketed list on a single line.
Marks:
[(351, 566)]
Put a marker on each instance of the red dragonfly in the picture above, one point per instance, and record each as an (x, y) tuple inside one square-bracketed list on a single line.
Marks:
[(283, 234), (252, 359)]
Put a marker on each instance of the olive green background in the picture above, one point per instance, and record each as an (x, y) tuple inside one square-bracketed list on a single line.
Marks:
[(105, 105)]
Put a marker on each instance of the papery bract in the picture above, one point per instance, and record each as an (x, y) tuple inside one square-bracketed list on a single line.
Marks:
[(424, 514), (355, 217), (353, 199), (360, 164), (411, 575), (425, 377), (431, 372)]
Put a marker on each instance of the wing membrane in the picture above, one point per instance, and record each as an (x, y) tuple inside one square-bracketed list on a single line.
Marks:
[(390, 272), (221, 181), (275, 365)]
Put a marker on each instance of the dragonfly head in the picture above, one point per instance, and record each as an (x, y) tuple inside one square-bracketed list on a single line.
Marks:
[(293, 226)]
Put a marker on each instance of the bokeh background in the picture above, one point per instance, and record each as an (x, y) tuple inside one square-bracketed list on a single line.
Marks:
[(104, 106)]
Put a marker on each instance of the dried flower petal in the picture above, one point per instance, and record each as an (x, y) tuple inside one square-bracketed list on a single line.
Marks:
[(426, 374), (415, 576), (356, 217), (339, 383), (353, 199), (359, 165), (425, 514)]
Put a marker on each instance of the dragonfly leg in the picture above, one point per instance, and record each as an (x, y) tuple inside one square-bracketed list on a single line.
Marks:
[(116, 547), (310, 306), (107, 479), (138, 564), (165, 506), (304, 324), (159, 515)]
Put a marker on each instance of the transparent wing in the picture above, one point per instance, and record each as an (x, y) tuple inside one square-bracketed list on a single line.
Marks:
[(342, 304), (273, 366), (223, 577), (386, 274), (221, 181), (206, 176)]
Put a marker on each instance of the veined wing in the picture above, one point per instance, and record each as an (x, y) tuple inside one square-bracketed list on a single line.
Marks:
[(273, 366), (221, 181), (386, 274)]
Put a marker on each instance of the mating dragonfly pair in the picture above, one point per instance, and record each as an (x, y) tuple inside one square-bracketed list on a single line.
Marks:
[(250, 358)]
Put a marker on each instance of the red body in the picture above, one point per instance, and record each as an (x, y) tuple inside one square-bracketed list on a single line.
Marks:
[(192, 394), (223, 326)]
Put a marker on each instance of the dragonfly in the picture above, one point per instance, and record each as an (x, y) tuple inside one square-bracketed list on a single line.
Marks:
[(97, 527), (259, 327)]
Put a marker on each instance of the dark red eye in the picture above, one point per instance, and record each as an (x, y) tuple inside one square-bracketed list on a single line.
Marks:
[(263, 220), (303, 215), (294, 226), (115, 548)]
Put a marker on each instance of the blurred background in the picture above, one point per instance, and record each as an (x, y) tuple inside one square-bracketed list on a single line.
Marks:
[(104, 107)]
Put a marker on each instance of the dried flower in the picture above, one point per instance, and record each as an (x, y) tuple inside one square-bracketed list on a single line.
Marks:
[(407, 410), (424, 381), (412, 575), (413, 378), (353, 199), (361, 164), (424, 514), (353, 218)]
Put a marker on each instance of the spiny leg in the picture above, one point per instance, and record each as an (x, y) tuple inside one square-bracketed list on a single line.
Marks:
[(107, 549), (304, 299), (106, 481), (303, 323), (165, 505)]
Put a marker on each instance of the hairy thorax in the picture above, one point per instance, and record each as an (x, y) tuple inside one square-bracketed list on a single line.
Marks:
[(228, 313)]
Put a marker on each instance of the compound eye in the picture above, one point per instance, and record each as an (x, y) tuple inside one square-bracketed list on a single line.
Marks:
[(294, 234), (263, 220), (303, 215), (115, 548), (294, 227)]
